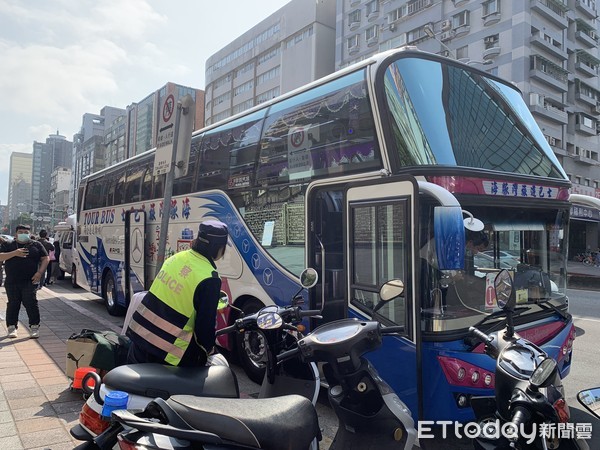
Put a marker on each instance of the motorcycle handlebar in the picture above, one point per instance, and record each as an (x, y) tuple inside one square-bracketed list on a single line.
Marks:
[(309, 312), (520, 416), (288, 354), (480, 335), (226, 330), (393, 330)]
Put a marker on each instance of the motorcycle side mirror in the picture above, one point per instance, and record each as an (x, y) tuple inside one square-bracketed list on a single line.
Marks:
[(223, 302), (505, 298), (503, 285), (590, 399), (543, 375), (309, 278), (389, 291), (269, 319)]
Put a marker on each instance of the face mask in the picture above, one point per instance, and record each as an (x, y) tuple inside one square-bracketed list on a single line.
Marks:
[(24, 237)]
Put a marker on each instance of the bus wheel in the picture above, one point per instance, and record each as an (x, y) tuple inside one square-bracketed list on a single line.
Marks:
[(251, 346), (73, 276), (109, 293)]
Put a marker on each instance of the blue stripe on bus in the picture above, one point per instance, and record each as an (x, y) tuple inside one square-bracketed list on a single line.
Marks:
[(278, 285)]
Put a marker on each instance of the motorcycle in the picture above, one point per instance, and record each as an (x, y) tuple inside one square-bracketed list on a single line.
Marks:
[(528, 390), (370, 414), (145, 382)]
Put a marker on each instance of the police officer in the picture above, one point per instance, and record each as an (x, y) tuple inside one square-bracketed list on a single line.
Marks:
[(175, 322)]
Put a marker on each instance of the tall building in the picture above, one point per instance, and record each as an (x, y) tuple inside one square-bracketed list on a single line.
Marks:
[(88, 146), (292, 47), (19, 184), (59, 194), (143, 117), (547, 48), (55, 152)]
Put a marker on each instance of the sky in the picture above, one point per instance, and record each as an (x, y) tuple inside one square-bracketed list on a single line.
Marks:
[(63, 58)]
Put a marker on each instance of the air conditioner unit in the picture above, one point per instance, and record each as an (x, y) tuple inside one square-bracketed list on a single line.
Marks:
[(446, 25), (597, 108), (445, 53), (392, 27), (447, 36)]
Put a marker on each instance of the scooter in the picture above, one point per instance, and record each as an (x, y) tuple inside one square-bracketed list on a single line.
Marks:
[(529, 397), (145, 382), (370, 414)]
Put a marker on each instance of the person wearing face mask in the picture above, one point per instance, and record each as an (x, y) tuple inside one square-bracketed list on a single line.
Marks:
[(25, 265), (175, 322)]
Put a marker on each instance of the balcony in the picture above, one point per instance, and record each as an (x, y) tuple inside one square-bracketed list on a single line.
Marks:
[(542, 43), (354, 25), (585, 130), (353, 49), (586, 39), (492, 52), (552, 10), (585, 69), (588, 8), (492, 18), (585, 159), (548, 72), (463, 30), (550, 112)]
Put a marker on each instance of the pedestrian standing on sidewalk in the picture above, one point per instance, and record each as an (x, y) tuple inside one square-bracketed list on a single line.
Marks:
[(25, 265), (47, 279)]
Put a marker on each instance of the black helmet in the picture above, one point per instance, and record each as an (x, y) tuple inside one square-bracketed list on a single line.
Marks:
[(212, 237)]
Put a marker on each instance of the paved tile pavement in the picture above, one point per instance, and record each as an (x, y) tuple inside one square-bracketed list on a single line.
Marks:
[(37, 406)]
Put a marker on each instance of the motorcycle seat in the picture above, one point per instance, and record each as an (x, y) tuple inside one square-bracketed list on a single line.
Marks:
[(157, 380), (289, 421)]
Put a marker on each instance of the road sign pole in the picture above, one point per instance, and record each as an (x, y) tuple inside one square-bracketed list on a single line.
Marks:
[(166, 210)]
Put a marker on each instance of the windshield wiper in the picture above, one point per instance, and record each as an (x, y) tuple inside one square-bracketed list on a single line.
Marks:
[(545, 303), (472, 341)]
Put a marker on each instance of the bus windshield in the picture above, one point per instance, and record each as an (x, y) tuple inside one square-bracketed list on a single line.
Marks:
[(531, 243), (445, 114)]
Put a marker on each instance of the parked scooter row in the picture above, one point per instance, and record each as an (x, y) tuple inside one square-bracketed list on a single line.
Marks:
[(528, 391), (145, 382)]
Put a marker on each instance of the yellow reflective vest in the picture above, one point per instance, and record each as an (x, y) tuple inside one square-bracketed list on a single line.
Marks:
[(165, 318)]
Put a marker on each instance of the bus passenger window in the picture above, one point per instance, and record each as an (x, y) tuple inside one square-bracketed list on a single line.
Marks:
[(147, 184)]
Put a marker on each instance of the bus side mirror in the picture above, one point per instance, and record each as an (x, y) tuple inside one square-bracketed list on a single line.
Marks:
[(449, 235)]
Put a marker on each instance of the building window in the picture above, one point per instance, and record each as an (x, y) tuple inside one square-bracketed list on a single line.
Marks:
[(243, 88), (416, 34), (371, 33), (268, 95), (491, 7), (491, 41), (461, 19), (353, 41), (462, 52), (372, 7), (268, 75), (354, 17), (268, 55)]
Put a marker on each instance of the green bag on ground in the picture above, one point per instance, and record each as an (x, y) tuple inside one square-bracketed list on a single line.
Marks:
[(111, 348)]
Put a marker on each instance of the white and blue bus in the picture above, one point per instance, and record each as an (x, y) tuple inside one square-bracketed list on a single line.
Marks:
[(346, 175)]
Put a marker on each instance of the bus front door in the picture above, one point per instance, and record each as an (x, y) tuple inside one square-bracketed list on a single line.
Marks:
[(380, 220), (135, 256)]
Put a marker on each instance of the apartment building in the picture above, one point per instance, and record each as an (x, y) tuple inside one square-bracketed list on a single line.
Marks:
[(290, 48), (547, 48)]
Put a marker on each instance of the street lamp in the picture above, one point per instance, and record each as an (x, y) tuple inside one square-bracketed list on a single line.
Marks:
[(429, 32)]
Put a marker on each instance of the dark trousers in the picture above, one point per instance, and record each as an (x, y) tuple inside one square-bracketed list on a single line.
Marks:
[(25, 293)]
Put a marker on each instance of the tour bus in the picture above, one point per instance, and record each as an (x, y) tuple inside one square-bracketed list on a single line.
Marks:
[(360, 175), (66, 236)]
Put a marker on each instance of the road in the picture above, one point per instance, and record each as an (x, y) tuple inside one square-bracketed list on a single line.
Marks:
[(584, 306)]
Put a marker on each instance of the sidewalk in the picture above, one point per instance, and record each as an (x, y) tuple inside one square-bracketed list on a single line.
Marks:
[(37, 407)]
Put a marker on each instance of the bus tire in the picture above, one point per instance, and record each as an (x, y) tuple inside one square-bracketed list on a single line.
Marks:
[(73, 276), (249, 343), (109, 293)]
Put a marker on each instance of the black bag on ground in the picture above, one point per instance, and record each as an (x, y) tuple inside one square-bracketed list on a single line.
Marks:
[(110, 350)]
